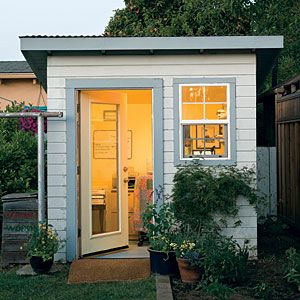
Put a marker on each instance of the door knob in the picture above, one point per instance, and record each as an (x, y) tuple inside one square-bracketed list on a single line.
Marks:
[(125, 169), (126, 180)]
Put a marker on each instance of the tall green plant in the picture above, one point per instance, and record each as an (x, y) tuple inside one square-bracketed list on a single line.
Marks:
[(159, 223), (293, 267)]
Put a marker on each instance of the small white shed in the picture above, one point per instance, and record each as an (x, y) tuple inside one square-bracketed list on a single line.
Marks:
[(135, 108)]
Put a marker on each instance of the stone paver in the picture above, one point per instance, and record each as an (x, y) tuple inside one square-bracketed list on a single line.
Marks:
[(27, 270), (163, 288)]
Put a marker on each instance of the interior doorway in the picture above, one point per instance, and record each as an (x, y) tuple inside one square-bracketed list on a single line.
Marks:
[(116, 166)]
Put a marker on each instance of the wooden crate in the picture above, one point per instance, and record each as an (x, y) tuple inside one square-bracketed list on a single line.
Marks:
[(19, 219)]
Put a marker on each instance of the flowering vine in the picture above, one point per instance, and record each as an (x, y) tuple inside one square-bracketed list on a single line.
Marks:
[(30, 124)]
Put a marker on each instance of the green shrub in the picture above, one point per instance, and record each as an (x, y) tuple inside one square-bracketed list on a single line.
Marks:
[(273, 226), (293, 267), (18, 156), (264, 291), (219, 291), (201, 192), (223, 260)]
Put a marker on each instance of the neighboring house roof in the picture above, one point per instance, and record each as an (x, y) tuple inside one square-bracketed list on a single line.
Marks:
[(36, 48), (289, 86), (15, 69)]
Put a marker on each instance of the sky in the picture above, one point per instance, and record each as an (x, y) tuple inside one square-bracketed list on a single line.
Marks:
[(50, 17)]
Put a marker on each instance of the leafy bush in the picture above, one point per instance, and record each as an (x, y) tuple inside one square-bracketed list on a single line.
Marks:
[(293, 267), (223, 260), (18, 156), (200, 192)]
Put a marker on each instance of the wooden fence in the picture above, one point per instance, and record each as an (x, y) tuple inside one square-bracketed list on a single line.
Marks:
[(288, 151)]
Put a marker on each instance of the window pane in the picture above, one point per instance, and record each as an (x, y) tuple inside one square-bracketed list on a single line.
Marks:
[(192, 94), (192, 112), (216, 111), (215, 93), (204, 140)]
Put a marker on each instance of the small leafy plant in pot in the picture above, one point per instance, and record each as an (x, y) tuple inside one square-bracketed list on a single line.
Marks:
[(188, 256), (42, 246), (159, 223)]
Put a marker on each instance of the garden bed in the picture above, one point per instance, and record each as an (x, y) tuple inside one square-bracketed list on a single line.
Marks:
[(265, 277)]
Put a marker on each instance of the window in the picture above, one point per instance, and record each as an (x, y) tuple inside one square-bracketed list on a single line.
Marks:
[(204, 120)]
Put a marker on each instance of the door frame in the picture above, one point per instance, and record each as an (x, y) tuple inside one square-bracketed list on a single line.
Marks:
[(73, 86)]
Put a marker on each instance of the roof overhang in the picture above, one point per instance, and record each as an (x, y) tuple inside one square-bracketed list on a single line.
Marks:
[(17, 76), (36, 49)]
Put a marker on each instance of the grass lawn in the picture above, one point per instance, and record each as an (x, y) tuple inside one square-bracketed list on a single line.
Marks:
[(56, 287)]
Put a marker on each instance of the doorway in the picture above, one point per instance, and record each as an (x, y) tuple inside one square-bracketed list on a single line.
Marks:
[(116, 166)]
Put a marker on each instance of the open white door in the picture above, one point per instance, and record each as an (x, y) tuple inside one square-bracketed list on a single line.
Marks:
[(103, 170)]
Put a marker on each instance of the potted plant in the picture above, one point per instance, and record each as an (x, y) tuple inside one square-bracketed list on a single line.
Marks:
[(159, 224), (188, 255), (42, 246)]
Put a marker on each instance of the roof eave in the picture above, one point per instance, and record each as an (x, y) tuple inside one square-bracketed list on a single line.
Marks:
[(36, 49)]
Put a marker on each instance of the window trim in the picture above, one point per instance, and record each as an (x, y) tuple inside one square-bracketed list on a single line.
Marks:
[(231, 112)]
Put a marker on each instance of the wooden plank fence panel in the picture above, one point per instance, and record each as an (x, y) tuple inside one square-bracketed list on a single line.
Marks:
[(287, 170), (297, 173), (288, 156)]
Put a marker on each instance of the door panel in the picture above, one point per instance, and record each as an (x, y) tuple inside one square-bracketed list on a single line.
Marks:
[(104, 198)]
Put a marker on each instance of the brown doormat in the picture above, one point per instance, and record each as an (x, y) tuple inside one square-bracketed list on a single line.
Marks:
[(97, 270)]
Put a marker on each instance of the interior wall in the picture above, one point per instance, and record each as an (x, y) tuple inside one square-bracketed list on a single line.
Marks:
[(139, 123), (104, 168)]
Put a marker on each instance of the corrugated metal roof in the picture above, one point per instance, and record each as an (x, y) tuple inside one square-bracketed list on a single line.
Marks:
[(61, 36), (15, 67)]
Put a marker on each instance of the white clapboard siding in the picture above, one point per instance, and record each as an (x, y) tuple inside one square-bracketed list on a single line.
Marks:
[(240, 66)]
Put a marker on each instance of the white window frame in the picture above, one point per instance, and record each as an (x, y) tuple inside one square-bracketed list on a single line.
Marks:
[(230, 134), (204, 121)]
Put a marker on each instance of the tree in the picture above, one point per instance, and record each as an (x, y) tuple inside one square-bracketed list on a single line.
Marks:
[(18, 156), (181, 18), (281, 17), (214, 18)]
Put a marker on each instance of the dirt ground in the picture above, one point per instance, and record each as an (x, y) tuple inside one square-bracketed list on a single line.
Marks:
[(265, 278)]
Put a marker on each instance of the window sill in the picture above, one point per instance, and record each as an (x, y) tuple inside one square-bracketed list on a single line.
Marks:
[(206, 161)]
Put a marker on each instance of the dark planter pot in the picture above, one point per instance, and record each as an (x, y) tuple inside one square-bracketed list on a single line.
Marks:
[(39, 266), (188, 273), (163, 263)]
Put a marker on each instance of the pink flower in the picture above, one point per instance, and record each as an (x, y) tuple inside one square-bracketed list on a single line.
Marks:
[(30, 124)]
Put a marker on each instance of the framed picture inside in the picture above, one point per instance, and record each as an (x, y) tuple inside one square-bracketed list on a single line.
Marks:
[(109, 115), (105, 144)]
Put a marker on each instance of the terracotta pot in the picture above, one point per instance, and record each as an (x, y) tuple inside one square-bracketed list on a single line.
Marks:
[(188, 273), (39, 266)]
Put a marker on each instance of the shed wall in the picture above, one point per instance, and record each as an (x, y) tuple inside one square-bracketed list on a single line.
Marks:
[(240, 66)]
